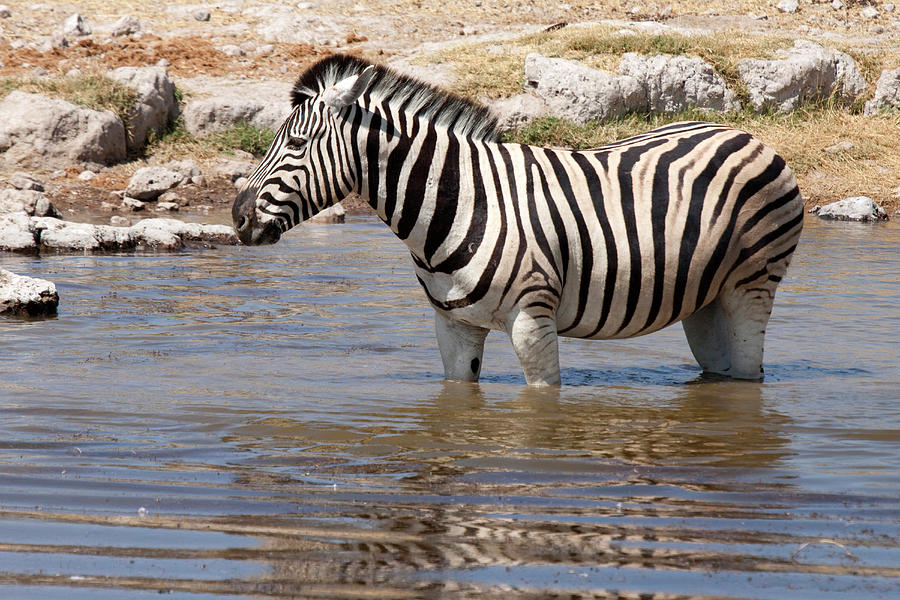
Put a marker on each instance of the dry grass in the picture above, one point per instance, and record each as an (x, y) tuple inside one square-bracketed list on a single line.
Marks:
[(92, 90), (871, 167)]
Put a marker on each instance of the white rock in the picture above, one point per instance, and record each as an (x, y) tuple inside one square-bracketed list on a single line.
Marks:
[(240, 183), (202, 15), (119, 221), (807, 72), (86, 175), (76, 25), (125, 26), (233, 169), (518, 110), (887, 92), (188, 169), (24, 181), (869, 12), (788, 6), (17, 233), (262, 104), (578, 93), (837, 4), (148, 183), (843, 146), (166, 206), (858, 208), (673, 84), (156, 106), (5, 13), (133, 204), (58, 234), (232, 50), (26, 296), (36, 130), (29, 202)]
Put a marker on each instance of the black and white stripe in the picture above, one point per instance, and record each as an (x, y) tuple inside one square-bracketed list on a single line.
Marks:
[(693, 221)]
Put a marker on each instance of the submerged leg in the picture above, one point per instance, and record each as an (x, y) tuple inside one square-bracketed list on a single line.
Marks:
[(461, 347), (707, 335), (746, 314), (535, 341)]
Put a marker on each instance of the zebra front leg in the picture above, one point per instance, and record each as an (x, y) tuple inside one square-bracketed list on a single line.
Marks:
[(535, 342), (461, 346), (707, 335)]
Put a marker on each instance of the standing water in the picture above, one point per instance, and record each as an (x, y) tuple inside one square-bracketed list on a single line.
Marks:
[(247, 422)]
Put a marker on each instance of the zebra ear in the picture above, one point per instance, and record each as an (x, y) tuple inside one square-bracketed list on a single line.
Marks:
[(346, 91)]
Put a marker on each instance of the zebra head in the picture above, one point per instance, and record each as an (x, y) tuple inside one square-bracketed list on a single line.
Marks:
[(306, 169)]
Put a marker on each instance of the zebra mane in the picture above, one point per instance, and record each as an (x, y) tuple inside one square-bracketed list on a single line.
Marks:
[(462, 116)]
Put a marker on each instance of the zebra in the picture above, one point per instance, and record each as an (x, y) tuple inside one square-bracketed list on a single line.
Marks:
[(692, 222)]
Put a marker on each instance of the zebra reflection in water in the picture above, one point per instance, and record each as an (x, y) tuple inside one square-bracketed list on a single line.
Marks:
[(692, 222)]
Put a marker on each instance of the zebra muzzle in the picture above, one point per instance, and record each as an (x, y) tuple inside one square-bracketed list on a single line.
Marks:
[(250, 230)]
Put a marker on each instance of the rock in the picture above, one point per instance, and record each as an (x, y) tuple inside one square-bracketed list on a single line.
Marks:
[(232, 50), (189, 170), (28, 202), (788, 6), (5, 13), (58, 234), (673, 84), (869, 12), (518, 110), (26, 296), (125, 26), (887, 92), (859, 208), (202, 15), (76, 25), (119, 221), (286, 27), (148, 183), (578, 93), (166, 206), (844, 146), (189, 232), (332, 214), (156, 106), (24, 181), (36, 130), (837, 4), (807, 72), (234, 169), (240, 183), (264, 104), (86, 175), (17, 233), (133, 204)]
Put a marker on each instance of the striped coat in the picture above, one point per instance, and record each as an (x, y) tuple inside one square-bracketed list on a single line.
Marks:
[(693, 222)]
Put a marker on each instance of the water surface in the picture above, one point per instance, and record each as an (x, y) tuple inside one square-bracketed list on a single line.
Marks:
[(246, 422)]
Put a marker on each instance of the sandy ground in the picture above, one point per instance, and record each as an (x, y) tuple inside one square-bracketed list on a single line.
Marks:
[(381, 30)]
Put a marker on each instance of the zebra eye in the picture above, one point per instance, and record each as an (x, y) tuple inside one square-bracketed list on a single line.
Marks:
[(296, 142)]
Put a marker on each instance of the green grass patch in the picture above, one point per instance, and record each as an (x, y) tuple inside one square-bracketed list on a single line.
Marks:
[(242, 136)]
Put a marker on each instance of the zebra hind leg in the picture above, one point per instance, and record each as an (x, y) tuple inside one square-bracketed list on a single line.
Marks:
[(461, 346), (707, 335), (746, 311)]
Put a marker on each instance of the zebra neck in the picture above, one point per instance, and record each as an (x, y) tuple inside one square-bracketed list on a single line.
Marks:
[(418, 178)]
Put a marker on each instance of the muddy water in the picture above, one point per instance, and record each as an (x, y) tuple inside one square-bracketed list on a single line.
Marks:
[(273, 422)]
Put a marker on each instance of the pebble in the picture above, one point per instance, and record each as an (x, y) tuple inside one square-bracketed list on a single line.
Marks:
[(837, 4), (869, 12), (5, 13), (232, 50), (133, 204), (24, 181), (240, 182), (788, 6), (202, 15), (76, 25), (844, 146), (119, 221), (86, 175), (166, 206)]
